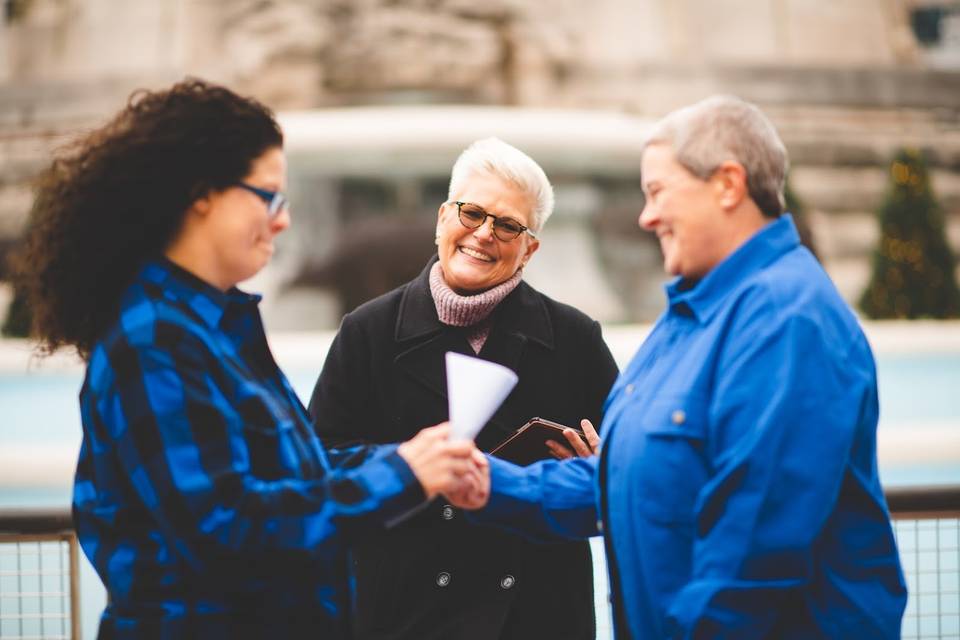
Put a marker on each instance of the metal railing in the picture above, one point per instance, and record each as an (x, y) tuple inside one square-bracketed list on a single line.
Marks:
[(926, 521), (39, 575), (39, 570)]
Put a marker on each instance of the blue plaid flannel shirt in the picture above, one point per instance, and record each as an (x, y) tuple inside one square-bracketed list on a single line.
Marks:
[(202, 496)]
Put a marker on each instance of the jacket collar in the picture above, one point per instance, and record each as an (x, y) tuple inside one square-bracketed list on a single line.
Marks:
[(522, 312), (707, 296)]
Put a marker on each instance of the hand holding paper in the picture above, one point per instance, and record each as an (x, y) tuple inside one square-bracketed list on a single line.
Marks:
[(475, 390), (442, 465)]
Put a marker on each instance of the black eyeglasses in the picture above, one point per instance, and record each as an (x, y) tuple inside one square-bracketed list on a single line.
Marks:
[(473, 217), (276, 200)]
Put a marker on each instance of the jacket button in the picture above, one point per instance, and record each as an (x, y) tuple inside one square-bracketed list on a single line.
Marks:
[(629, 388), (443, 579), (447, 512), (678, 417), (600, 526), (507, 581)]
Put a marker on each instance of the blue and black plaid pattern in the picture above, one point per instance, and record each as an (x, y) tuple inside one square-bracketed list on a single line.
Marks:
[(202, 496)]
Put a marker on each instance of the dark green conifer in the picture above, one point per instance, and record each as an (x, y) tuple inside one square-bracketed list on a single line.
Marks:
[(913, 267)]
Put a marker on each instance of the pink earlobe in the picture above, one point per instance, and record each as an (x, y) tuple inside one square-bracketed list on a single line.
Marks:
[(200, 206)]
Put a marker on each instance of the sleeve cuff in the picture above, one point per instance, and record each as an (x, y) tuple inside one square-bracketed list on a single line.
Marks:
[(389, 477)]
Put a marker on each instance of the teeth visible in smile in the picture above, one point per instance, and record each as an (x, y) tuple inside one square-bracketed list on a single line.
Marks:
[(473, 253)]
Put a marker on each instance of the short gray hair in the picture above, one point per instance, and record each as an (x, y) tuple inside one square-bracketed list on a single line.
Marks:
[(708, 133), (497, 158)]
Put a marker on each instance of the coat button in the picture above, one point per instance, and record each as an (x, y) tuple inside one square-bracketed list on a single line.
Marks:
[(447, 512), (629, 388), (507, 581), (678, 416), (443, 579), (600, 526)]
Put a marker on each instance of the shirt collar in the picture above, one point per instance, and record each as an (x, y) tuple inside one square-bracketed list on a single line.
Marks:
[(766, 245), (207, 301)]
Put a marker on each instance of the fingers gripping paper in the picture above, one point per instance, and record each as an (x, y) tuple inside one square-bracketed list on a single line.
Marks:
[(475, 389)]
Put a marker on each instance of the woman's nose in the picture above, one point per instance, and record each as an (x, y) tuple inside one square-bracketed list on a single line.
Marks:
[(282, 220), (485, 230), (648, 218)]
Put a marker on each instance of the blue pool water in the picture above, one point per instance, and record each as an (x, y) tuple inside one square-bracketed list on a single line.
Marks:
[(915, 390)]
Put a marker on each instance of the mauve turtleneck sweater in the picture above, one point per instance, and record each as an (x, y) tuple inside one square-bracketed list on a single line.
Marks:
[(469, 311)]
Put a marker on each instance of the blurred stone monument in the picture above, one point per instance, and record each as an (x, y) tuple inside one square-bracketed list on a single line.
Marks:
[(845, 82)]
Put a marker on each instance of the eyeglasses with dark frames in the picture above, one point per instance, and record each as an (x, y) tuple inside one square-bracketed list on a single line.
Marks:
[(505, 228), (276, 200)]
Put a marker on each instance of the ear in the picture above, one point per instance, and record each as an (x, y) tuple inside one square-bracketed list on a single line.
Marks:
[(730, 180), (532, 245), (444, 212), (202, 205), (441, 218)]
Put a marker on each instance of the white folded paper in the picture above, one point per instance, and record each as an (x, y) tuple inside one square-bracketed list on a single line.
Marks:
[(475, 390)]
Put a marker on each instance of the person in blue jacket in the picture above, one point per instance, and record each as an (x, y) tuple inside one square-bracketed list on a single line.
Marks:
[(202, 496), (737, 485)]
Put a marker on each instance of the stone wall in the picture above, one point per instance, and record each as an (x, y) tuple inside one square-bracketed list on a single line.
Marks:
[(846, 82)]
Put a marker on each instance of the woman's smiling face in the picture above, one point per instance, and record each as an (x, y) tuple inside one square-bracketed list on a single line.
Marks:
[(474, 260)]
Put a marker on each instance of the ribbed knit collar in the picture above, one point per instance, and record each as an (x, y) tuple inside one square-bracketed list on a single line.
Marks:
[(522, 313), (466, 311)]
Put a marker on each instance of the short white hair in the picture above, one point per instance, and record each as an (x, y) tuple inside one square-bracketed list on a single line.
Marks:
[(706, 134), (495, 157)]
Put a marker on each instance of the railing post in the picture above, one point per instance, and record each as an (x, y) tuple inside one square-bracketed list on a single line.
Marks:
[(74, 585)]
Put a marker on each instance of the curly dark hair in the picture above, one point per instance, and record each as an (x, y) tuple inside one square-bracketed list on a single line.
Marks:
[(117, 196)]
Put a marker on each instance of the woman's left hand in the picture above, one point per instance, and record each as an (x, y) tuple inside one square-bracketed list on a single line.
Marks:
[(579, 448)]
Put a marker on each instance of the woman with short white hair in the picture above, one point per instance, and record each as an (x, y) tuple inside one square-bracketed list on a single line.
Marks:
[(438, 576)]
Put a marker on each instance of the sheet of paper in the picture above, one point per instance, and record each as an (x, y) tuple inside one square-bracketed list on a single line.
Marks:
[(475, 390)]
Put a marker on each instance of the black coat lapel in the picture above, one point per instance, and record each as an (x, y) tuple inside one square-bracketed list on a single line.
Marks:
[(424, 360), (423, 340), (506, 348), (421, 337)]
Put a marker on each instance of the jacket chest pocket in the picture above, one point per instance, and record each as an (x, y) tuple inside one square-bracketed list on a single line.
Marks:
[(275, 447), (673, 465)]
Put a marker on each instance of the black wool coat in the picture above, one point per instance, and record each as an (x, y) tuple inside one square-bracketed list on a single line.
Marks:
[(437, 575)]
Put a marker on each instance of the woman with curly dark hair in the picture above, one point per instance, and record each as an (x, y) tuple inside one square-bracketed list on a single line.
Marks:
[(202, 497)]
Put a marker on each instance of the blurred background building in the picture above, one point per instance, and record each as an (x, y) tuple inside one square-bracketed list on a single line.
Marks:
[(379, 96)]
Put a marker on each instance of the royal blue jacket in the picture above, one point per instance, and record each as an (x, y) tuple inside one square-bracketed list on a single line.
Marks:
[(737, 485)]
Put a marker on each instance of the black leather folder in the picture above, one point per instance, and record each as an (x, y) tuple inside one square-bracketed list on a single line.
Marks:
[(529, 443)]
